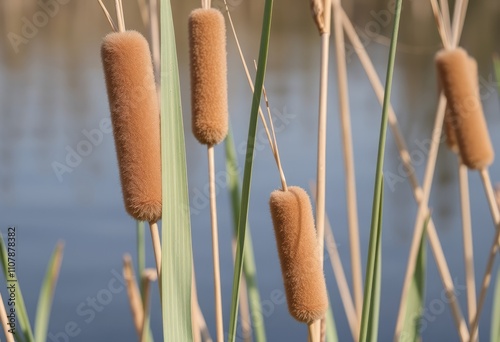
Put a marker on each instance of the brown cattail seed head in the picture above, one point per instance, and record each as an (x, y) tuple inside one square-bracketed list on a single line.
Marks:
[(136, 123), (299, 254), (466, 110), (449, 127), (207, 42)]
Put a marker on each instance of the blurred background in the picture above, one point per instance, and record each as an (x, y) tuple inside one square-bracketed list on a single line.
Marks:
[(52, 92)]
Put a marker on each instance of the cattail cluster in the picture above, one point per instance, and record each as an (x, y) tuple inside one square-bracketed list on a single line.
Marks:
[(135, 117), (298, 252), (207, 47), (465, 125)]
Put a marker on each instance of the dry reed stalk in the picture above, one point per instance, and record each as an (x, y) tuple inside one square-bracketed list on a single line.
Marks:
[(134, 295), (215, 246), (120, 16), (322, 132), (154, 32), (445, 14), (467, 241), (403, 151), (459, 13), (5, 322), (108, 16), (340, 277), (495, 213), (350, 174), (148, 276)]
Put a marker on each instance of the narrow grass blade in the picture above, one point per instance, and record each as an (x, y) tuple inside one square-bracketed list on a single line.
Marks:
[(374, 306), (47, 294), (141, 251), (416, 296), (249, 269), (331, 329), (495, 316), (247, 175), (377, 195), (176, 226), (22, 315)]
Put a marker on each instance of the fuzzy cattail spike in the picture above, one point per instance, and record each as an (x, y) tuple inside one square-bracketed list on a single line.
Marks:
[(461, 90), (207, 41), (299, 254), (136, 123)]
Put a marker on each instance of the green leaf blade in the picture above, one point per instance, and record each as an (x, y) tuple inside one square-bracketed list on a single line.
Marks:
[(176, 226), (46, 296), (247, 176)]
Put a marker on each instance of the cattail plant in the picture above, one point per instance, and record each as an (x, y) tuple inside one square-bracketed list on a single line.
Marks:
[(452, 143), (207, 42), (476, 151), (298, 252), (134, 108)]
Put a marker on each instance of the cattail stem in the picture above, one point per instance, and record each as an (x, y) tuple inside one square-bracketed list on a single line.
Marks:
[(199, 324), (467, 240), (155, 238), (459, 13), (322, 121), (215, 246), (5, 322), (338, 271), (313, 332), (495, 213), (440, 24), (350, 174), (423, 213), (120, 16)]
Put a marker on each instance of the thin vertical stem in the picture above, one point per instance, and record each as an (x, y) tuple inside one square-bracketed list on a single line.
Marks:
[(467, 240), (120, 16), (419, 227), (350, 174), (155, 237), (215, 246)]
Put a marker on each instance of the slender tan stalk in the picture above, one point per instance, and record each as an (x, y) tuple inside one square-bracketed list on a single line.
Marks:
[(120, 16), (322, 131), (155, 237), (215, 246), (467, 240), (340, 277), (423, 213), (459, 13), (134, 295), (246, 322), (440, 24), (445, 13), (108, 16), (154, 32), (148, 276), (350, 174), (313, 332), (5, 322), (495, 213)]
